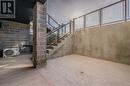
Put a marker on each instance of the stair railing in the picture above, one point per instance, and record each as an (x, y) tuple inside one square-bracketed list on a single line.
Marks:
[(55, 36), (52, 23)]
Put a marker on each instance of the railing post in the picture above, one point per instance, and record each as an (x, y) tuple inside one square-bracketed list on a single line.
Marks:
[(125, 8), (70, 25), (84, 21), (62, 29), (48, 19), (100, 17), (65, 29), (128, 8), (73, 25), (58, 33)]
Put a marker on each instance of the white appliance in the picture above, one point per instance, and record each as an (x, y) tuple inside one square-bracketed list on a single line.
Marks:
[(10, 52)]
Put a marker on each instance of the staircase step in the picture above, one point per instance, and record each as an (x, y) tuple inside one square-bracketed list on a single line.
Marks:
[(59, 41), (50, 47), (62, 39), (48, 50), (54, 44)]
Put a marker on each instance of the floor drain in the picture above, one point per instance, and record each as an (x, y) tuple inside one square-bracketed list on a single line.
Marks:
[(81, 72)]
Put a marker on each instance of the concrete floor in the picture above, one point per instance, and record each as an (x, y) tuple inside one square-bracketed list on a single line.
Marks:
[(73, 70)]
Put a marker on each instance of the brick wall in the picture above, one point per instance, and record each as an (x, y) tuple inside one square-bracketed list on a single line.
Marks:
[(39, 28)]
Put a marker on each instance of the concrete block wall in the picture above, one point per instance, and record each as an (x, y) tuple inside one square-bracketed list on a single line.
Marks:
[(110, 42), (39, 33), (14, 34)]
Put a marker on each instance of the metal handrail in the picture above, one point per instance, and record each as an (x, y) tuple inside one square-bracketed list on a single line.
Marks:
[(58, 28), (49, 18), (100, 10), (53, 19), (55, 35)]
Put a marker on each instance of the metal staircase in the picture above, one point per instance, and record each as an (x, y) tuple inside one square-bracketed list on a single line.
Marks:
[(56, 34)]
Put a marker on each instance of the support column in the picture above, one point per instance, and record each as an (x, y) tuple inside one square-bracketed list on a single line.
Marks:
[(39, 30)]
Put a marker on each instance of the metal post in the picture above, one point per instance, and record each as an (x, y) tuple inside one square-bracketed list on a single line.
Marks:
[(128, 8), (58, 33), (62, 29), (70, 27), (125, 8), (73, 25), (65, 29), (100, 17), (84, 20), (48, 19)]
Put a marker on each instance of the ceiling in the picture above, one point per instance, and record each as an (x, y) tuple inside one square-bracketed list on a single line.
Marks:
[(24, 10)]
